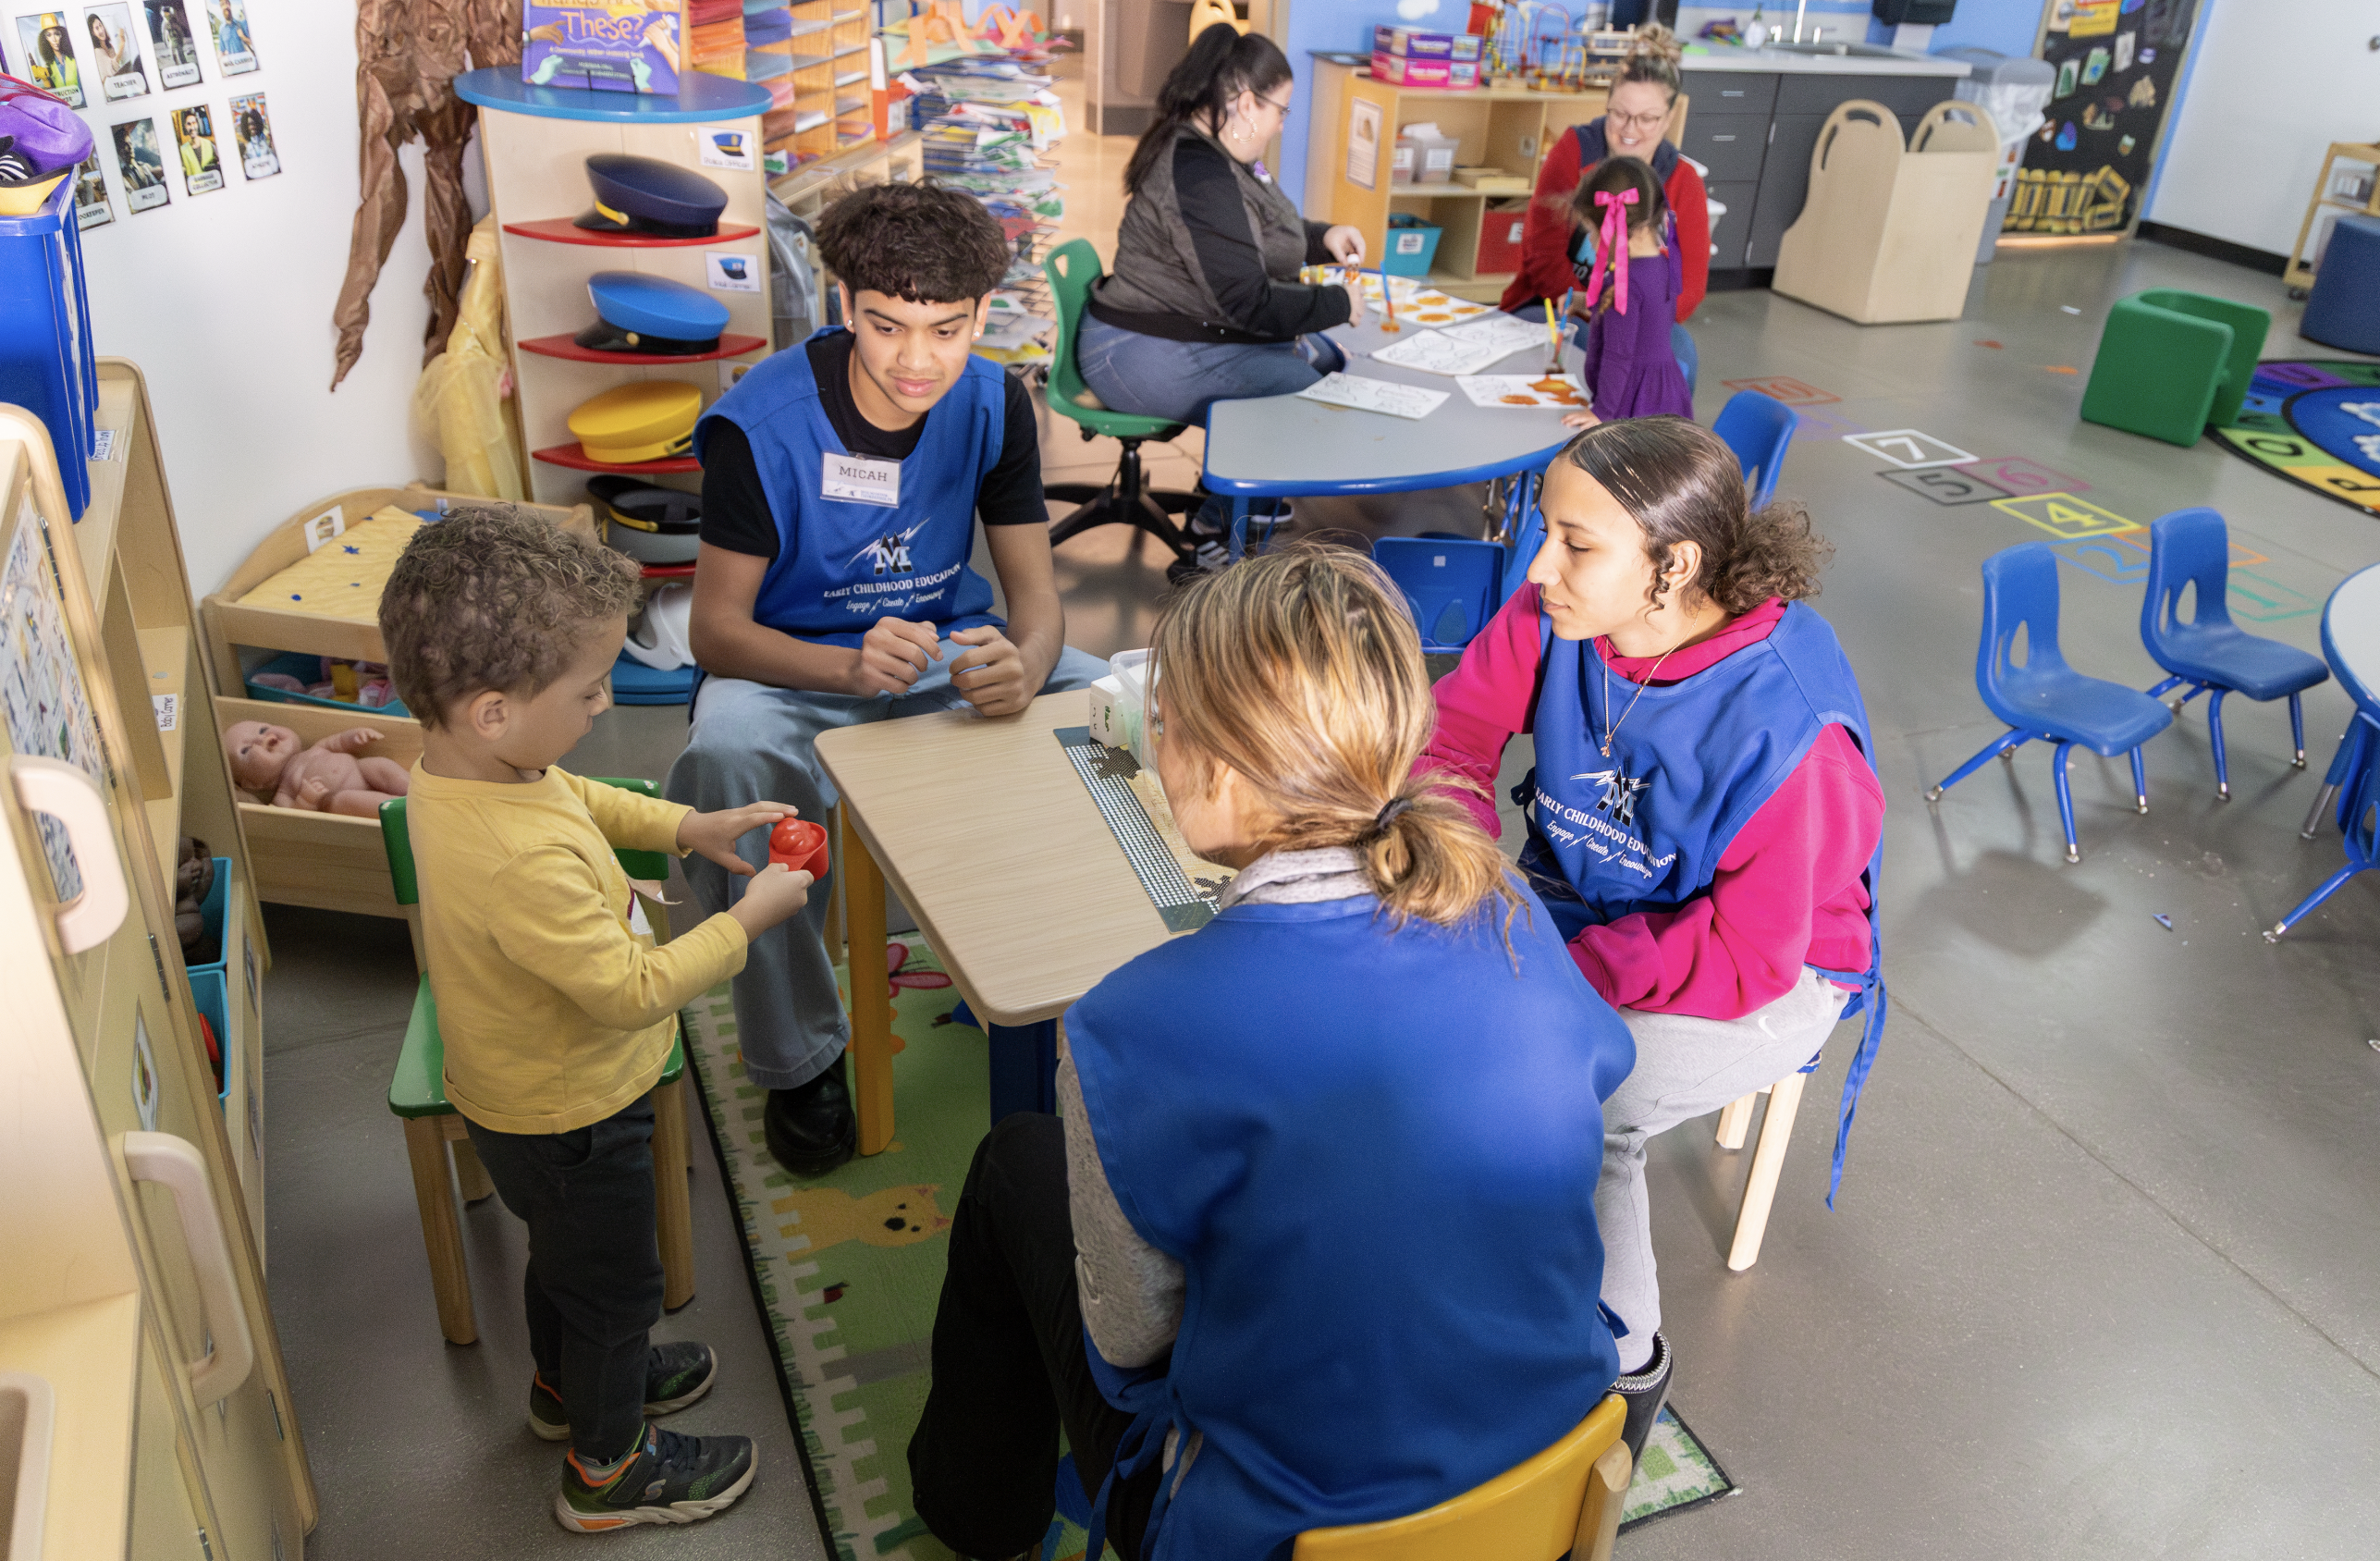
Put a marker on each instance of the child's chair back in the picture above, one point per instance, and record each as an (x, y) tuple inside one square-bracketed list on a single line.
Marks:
[(1758, 428), (1074, 269), (2188, 548), (1564, 1501), (2019, 598)]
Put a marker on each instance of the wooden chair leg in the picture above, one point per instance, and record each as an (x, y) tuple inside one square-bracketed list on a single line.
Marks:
[(1734, 1118), (425, 1148), (1768, 1163), (871, 1045), (1607, 1493), (672, 1214), (470, 1175), (834, 938)]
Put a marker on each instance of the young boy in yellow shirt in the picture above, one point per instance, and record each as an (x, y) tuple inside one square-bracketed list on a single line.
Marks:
[(556, 1017)]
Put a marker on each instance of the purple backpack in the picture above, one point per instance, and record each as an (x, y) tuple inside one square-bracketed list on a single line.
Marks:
[(40, 136)]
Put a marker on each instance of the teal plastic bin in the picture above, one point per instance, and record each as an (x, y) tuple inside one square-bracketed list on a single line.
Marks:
[(1412, 246)]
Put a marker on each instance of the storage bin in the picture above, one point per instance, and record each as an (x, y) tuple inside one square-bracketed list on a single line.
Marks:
[(206, 977), (1423, 158), (325, 860), (307, 669), (1412, 246), (1500, 236), (46, 364)]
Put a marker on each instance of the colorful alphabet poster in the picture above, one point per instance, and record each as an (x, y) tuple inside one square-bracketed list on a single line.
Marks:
[(2086, 170)]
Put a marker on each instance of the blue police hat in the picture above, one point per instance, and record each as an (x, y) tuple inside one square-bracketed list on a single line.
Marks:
[(646, 195), (640, 313)]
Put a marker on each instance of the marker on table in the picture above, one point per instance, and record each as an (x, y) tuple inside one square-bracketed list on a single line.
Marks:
[(1388, 294), (1553, 334)]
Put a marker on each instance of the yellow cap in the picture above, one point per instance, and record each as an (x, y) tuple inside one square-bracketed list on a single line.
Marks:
[(642, 421)]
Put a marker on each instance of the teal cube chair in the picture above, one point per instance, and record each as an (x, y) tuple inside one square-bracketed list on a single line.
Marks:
[(2171, 363), (434, 1131), (1125, 498)]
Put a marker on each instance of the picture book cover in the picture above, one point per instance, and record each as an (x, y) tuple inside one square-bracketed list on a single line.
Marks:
[(609, 45)]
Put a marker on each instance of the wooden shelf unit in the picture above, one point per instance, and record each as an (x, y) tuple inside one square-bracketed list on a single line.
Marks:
[(825, 31), (2300, 272), (1504, 127), (807, 189), (115, 1289)]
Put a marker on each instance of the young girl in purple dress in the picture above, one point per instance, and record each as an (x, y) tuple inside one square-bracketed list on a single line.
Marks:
[(1628, 271)]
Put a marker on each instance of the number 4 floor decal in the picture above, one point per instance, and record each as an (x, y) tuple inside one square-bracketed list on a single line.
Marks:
[(1908, 449)]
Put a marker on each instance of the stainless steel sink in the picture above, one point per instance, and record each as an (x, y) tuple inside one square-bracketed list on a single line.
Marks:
[(1854, 50)]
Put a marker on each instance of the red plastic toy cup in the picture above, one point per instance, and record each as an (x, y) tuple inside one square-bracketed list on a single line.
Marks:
[(801, 845)]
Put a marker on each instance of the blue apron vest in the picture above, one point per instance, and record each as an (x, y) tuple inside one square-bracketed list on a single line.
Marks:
[(1691, 764), (1373, 1152), (840, 564)]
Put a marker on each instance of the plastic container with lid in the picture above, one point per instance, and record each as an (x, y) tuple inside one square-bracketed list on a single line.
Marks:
[(1423, 156), (2012, 89)]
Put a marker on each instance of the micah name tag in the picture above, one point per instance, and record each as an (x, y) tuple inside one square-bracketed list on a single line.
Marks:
[(861, 480)]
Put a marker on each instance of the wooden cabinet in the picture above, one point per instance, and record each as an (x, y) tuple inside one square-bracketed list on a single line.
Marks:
[(134, 1284)]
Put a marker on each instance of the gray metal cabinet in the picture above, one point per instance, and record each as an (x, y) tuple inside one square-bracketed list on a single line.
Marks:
[(1730, 145), (1732, 231), (1785, 182)]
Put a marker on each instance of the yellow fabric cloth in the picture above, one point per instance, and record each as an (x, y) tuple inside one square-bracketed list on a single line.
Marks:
[(342, 578), (554, 1012), (464, 396)]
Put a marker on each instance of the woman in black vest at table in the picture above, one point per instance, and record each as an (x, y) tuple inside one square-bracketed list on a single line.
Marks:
[(1202, 302)]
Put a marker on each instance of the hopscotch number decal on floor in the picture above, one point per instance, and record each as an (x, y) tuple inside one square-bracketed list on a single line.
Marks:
[(2020, 476), (1785, 388), (2065, 516), (1907, 448), (1944, 484)]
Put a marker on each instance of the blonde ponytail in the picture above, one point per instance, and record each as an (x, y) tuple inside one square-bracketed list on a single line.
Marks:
[(1302, 670)]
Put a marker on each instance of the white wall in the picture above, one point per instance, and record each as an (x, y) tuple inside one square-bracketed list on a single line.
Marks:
[(2269, 89), (224, 299)]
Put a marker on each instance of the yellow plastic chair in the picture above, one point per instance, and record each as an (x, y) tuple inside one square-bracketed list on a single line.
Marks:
[(1564, 1501)]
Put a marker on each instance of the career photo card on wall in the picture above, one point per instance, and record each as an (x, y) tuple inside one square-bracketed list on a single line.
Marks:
[(140, 162), (51, 61), (252, 129), (235, 41), (92, 206), (171, 43), (194, 136), (115, 46)]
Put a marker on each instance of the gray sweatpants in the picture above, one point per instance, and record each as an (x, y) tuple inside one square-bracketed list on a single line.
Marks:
[(1687, 1067), (754, 743)]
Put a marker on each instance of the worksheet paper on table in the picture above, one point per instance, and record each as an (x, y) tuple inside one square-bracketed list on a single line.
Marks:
[(1374, 395), (1439, 352), (1414, 304), (1524, 390), (1506, 333)]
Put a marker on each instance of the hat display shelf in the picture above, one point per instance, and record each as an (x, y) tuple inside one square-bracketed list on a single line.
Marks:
[(536, 141)]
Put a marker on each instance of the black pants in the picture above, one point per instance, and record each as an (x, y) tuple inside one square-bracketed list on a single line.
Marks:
[(1010, 1365), (594, 1282)]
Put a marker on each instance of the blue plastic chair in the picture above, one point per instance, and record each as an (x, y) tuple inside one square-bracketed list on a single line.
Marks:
[(2044, 700), (1758, 428), (1453, 585), (2357, 767), (2208, 654)]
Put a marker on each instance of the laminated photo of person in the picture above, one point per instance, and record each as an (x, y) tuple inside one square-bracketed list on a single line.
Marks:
[(142, 164), (49, 56), (115, 52), (171, 43)]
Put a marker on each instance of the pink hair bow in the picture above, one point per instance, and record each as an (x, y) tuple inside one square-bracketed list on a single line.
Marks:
[(1613, 240)]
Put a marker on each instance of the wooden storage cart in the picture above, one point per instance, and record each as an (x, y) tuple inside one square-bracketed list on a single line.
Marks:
[(1888, 234), (323, 860), (2299, 275), (134, 1275)]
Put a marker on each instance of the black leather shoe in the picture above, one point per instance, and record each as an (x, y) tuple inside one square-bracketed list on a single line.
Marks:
[(1643, 1391), (809, 1128)]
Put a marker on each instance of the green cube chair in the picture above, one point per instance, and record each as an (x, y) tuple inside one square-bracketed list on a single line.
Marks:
[(2171, 363), (434, 1128), (1125, 499)]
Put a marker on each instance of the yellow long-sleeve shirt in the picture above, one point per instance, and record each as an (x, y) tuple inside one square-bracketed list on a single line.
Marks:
[(554, 1012)]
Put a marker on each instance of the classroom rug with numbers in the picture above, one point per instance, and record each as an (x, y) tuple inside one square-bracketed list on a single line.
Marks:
[(847, 1269), (2315, 422)]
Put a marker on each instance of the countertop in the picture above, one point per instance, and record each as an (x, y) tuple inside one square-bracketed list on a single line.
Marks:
[(1726, 56)]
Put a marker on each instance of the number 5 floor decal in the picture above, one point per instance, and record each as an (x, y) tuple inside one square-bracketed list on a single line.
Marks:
[(1908, 449)]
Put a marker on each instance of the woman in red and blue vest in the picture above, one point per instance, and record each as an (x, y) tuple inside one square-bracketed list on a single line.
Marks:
[(1309, 1243), (1704, 815)]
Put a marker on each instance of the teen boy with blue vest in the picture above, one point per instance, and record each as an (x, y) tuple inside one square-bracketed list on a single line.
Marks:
[(842, 483)]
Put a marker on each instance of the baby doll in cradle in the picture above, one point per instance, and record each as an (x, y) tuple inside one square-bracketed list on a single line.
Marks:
[(328, 777)]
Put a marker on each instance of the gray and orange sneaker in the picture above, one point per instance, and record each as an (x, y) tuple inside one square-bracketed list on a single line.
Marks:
[(675, 1375), (670, 1478)]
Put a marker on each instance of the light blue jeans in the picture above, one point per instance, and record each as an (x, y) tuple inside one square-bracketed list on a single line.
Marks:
[(1149, 376), (755, 742)]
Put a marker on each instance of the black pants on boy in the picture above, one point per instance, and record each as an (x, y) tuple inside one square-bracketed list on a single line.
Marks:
[(1010, 1362), (594, 1281)]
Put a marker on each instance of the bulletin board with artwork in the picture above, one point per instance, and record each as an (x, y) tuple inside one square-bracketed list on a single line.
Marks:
[(2086, 170)]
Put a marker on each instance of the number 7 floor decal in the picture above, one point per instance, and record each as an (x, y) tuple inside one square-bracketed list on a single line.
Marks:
[(1908, 449)]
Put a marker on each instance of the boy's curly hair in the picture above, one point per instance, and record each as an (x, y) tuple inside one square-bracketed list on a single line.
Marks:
[(922, 242), (494, 596)]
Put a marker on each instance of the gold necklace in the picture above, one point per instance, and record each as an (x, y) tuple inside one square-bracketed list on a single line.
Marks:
[(1611, 725)]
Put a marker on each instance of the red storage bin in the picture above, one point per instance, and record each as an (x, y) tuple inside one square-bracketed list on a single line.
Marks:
[(1500, 236)]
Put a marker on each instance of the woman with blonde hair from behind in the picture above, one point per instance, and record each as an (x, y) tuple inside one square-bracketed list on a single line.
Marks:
[(1309, 1243)]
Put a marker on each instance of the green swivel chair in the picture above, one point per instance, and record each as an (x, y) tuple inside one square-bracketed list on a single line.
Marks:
[(2171, 363), (1072, 268)]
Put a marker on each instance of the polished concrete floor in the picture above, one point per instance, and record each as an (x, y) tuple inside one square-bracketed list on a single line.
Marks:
[(2104, 1279)]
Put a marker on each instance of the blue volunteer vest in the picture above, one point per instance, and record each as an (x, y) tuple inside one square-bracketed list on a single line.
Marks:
[(1373, 1152), (1691, 764), (842, 564)]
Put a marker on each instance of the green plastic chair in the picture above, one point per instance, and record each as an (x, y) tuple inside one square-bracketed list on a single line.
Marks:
[(1072, 268), (2171, 363), (434, 1131)]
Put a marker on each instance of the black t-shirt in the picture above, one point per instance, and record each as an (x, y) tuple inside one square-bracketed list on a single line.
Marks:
[(735, 508)]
